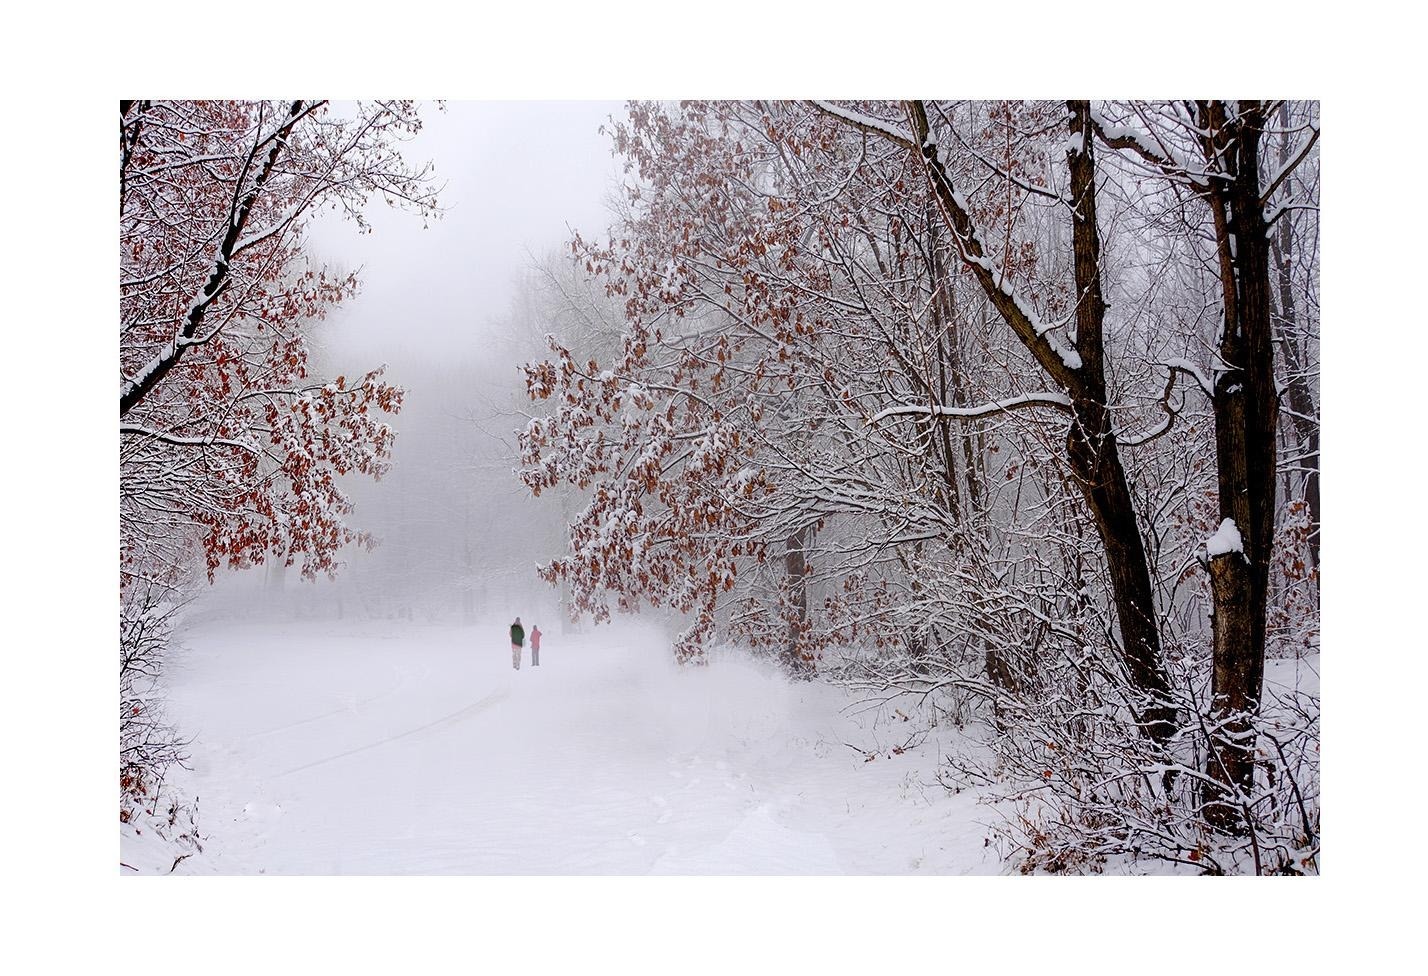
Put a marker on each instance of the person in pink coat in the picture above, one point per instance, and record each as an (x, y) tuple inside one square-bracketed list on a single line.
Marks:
[(535, 646)]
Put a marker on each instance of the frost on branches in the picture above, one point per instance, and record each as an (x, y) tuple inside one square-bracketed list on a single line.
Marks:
[(662, 528), (230, 447), (945, 395), (768, 424), (226, 436)]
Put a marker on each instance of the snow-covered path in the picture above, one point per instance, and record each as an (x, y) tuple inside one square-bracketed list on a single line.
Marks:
[(366, 748)]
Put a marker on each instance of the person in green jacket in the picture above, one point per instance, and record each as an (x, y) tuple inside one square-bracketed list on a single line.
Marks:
[(518, 637)]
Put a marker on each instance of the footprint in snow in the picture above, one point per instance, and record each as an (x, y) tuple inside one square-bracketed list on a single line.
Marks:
[(635, 839)]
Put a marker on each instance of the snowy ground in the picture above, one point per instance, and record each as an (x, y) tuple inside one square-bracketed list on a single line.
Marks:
[(363, 748)]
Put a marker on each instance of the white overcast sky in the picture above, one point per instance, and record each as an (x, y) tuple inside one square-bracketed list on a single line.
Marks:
[(517, 175)]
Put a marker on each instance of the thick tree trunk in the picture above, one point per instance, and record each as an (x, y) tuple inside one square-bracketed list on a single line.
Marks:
[(1095, 460), (1246, 416), (1091, 444), (1096, 465)]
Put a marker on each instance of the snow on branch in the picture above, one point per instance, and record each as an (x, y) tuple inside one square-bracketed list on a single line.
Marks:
[(1289, 167), (178, 441), (866, 123), (1190, 369), (1060, 360), (1171, 412), (1057, 400), (1163, 158), (1227, 539)]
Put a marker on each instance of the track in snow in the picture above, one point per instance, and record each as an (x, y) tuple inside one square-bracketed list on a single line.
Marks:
[(352, 749), (454, 717)]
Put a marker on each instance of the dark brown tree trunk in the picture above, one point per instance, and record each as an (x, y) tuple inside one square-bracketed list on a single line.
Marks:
[(796, 565), (1095, 460), (1091, 444), (1246, 416), (1002, 674)]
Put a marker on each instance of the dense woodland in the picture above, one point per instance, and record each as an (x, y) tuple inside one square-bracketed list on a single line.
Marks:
[(1017, 399), (1002, 412)]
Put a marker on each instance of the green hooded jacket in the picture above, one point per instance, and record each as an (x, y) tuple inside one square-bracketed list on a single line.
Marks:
[(518, 634)]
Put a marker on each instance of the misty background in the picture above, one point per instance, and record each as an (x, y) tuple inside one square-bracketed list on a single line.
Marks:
[(452, 310)]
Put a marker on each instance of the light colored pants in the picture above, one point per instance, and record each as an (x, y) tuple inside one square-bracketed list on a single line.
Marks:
[(535, 654), (516, 656)]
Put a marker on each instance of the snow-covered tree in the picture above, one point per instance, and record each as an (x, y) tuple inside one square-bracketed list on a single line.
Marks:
[(230, 449), (226, 437), (961, 369)]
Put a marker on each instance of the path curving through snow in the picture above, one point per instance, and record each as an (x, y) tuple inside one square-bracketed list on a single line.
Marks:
[(377, 748)]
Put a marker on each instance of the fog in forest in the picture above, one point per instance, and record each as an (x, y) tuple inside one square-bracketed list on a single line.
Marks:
[(453, 309), (980, 438)]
